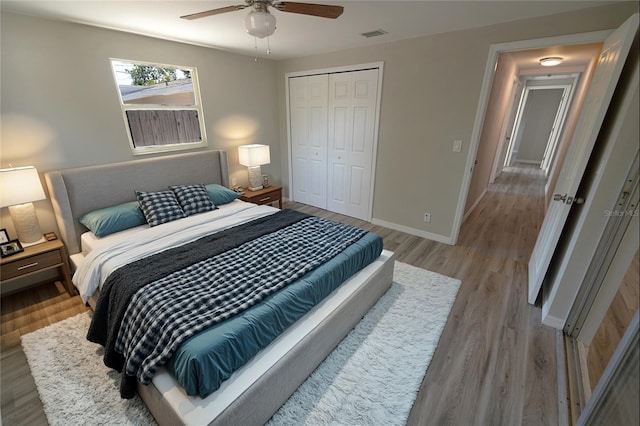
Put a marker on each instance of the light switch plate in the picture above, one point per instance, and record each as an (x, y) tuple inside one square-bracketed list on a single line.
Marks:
[(457, 145)]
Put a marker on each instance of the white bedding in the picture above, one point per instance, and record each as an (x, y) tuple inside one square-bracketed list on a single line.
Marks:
[(89, 241), (105, 255)]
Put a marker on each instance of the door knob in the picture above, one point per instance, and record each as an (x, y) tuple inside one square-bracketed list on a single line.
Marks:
[(568, 200)]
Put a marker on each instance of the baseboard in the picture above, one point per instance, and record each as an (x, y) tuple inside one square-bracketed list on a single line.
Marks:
[(527, 162), (417, 232), (554, 322), (475, 204)]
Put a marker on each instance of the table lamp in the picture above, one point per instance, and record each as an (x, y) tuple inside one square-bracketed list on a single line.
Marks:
[(18, 188), (253, 156)]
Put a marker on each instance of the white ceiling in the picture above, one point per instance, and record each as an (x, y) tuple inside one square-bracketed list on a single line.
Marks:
[(296, 35)]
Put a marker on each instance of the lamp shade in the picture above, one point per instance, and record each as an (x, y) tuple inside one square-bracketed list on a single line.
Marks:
[(254, 155), (260, 23), (20, 185)]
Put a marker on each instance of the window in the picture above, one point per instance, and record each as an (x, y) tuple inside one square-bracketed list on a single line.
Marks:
[(161, 106)]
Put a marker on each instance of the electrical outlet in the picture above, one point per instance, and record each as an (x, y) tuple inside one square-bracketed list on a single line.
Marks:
[(427, 217)]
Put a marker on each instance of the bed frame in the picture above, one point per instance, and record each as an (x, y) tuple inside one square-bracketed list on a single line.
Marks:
[(255, 392)]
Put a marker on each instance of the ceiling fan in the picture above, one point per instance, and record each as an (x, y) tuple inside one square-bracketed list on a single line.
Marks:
[(260, 23)]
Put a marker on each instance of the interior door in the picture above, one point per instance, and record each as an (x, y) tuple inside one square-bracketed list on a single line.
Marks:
[(598, 97), (308, 121), (352, 117)]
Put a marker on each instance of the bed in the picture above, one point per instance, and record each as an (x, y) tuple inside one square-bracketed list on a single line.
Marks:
[(257, 389)]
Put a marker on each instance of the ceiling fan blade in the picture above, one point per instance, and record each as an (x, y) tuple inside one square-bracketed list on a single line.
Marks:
[(214, 12), (321, 10)]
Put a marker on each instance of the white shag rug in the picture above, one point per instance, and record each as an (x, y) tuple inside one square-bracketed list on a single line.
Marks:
[(371, 378)]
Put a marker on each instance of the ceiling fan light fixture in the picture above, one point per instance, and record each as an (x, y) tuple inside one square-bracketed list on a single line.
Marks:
[(260, 24), (551, 61)]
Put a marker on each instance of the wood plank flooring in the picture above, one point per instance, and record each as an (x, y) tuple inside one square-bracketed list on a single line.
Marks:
[(495, 363), (22, 313)]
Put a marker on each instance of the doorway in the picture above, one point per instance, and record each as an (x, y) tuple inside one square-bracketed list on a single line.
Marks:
[(518, 78)]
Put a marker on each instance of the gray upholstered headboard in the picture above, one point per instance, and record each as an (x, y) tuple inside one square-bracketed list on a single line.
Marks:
[(75, 192)]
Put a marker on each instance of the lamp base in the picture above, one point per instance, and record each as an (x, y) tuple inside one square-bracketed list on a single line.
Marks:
[(26, 224), (40, 241), (255, 178)]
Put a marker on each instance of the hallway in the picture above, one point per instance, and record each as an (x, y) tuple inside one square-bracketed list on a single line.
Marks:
[(507, 220)]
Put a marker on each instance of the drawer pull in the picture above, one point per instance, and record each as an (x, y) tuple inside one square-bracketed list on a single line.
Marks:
[(265, 199), (31, 265)]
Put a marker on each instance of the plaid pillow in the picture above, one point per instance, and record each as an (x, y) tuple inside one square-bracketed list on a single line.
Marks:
[(193, 199), (159, 207)]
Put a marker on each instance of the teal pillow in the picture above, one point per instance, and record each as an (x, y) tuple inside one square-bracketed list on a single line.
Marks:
[(113, 219), (221, 195)]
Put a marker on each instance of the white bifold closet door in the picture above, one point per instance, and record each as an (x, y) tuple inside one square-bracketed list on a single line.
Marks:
[(352, 117), (308, 119), (336, 175)]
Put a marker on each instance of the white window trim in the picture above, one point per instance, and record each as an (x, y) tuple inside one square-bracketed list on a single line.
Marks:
[(142, 150)]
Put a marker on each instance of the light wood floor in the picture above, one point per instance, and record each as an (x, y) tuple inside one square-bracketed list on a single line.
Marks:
[(495, 363)]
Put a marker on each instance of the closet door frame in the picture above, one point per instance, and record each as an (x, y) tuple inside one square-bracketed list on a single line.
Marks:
[(334, 70)]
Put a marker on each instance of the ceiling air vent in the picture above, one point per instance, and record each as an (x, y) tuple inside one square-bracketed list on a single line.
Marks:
[(374, 33)]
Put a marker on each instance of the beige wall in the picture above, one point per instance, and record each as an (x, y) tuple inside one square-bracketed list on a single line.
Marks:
[(499, 101), (429, 98), (60, 106)]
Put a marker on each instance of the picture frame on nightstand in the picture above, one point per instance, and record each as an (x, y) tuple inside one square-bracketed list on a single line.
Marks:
[(4, 236), (10, 248)]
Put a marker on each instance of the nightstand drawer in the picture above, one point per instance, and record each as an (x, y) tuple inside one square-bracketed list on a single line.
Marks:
[(267, 195), (266, 198), (31, 264)]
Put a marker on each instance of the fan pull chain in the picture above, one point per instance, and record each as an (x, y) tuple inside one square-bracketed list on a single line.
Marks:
[(255, 46)]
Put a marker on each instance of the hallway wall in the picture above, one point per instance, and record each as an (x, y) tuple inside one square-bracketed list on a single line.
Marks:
[(501, 95)]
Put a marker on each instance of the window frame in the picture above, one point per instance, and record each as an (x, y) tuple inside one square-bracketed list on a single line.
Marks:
[(151, 149)]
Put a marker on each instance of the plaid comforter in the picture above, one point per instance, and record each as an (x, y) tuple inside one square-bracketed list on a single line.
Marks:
[(167, 311)]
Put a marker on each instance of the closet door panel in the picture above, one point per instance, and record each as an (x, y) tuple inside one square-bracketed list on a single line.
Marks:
[(340, 124), (308, 122), (352, 114), (357, 182), (337, 188), (364, 102)]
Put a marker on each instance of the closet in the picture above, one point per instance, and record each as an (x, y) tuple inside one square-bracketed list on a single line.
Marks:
[(333, 123)]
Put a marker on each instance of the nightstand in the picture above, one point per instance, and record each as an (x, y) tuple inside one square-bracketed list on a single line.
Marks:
[(38, 258), (264, 196)]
